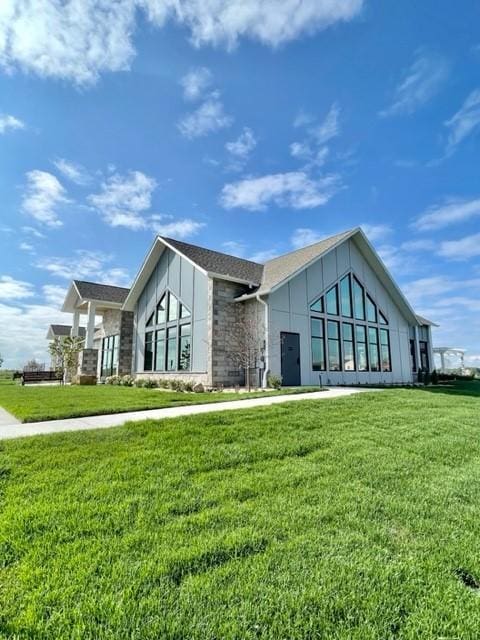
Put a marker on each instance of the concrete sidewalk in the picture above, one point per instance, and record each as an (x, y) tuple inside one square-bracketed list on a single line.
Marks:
[(16, 430)]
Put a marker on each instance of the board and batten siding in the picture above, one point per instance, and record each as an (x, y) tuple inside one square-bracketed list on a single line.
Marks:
[(289, 310), (190, 286)]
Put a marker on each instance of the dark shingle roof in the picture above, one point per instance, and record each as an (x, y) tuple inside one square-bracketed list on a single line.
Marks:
[(425, 321), (65, 329), (220, 263), (104, 292)]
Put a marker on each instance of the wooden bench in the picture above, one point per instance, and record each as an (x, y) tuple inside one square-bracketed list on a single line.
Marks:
[(29, 377)]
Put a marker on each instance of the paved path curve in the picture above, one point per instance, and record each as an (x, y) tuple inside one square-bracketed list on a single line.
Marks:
[(116, 419)]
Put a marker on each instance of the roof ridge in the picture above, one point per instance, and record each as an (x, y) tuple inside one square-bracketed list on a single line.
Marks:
[(309, 246), (222, 253), (101, 284)]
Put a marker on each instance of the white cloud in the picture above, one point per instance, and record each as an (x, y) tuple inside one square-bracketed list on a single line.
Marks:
[(421, 83), (10, 123), (208, 118), (329, 128), (177, 228), (450, 212), (124, 199), (295, 189), (302, 237), (11, 289), (418, 245), (234, 248), (54, 294), (465, 122), (396, 260), (313, 149), (240, 149), (80, 39), (83, 265), (25, 246), (73, 171), (195, 82), (32, 231), (43, 196), (437, 287), (375, 232), (467, 247), (263, 256)]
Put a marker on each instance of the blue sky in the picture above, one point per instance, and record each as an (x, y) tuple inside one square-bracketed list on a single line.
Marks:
[(248, 127)]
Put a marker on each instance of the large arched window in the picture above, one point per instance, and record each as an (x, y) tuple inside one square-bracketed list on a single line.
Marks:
[(348, 330), (168, 332)]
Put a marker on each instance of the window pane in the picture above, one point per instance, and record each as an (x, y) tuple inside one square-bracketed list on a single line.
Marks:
[(413, 358), (332, 329), (172, 307), (318, 354), (345, 297), (148, 361), (385, 356), (384, 336), (185, 329), (317, 327), (184, 312), (361, 333), (382, 318), (184, 359), (160, 350), (358, 301), (161, 310), (371, 310), (362, 360), (334, 355), (150, 321), (172, 355), (424, 363), (348, 356), (331, 299), (348, 331), (317, 306), (373, 349)]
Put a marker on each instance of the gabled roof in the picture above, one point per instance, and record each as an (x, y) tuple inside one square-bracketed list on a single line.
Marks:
[(425, 321), (103, 292), (62, 331), (280, 269), (218, 263)]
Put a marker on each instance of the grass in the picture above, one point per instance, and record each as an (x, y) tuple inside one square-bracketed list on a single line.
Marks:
[(35, 403), (350, 519)]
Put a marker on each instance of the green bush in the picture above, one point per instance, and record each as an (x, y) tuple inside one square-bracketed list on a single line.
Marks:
[(427, 377), (127, 381), (420, 376), (177, 385), (434, 377), (188, 385), (163, 383), (150, 383), (274, 381), (115, 380)]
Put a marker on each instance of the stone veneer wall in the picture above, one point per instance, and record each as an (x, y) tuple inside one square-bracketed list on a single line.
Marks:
[(87, 362), (223, 313), (117, 322)]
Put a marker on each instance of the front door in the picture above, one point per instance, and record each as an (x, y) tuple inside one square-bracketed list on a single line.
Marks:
[(290, 346)]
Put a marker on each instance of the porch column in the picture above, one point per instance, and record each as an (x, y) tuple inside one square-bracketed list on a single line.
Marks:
[(442, 361), (90, 325), (417, 348), (76, 321), (431, 357)]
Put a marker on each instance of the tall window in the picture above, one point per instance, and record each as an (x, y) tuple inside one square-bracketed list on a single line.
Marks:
[(168, 336), (346, 297), (348, 349), (413, 356), (362, 355), (358, 300), (110, 355), (373, 349), (424, 362), (333, 336), (318, 344), (361, 343)]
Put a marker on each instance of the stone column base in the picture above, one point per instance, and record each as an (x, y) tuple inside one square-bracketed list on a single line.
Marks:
[(87, 366)]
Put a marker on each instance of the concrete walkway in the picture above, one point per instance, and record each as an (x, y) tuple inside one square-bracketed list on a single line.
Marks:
[(16, 430), (7, 418)]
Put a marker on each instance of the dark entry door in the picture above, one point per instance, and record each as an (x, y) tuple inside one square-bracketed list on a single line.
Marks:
[(290, 345)]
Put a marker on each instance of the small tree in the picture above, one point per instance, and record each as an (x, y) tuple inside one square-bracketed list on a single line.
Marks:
[(65, 355), (33, 365), (245, 344)]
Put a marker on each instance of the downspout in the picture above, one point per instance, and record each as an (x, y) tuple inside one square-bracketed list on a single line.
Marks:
[(265, 370)]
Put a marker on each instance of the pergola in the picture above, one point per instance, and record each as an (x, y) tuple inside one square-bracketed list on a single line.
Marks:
[(446, 352)]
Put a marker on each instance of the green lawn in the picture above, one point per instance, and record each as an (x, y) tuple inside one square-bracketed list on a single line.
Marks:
[(32, 403), (349, 518)]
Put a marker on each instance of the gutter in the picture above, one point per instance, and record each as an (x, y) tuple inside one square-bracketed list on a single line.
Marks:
[(265, 370)]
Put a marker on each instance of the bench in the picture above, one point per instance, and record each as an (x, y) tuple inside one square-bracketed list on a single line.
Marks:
[(29, 377)]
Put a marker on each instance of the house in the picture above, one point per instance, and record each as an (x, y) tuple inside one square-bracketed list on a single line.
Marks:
[(60, 331), (330, 309)]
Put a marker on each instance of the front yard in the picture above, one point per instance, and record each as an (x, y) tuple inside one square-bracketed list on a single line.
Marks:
[(351, 519), (35, 403)]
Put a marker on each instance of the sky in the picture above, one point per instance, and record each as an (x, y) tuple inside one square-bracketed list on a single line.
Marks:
[(252, 127)]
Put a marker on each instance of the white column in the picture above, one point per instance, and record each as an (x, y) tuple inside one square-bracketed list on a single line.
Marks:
[(442, 361), (417, 348), (76, 321), (431, 357), (90, 325)]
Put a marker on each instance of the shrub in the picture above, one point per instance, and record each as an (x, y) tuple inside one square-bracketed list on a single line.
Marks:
[(127, 381), (420, 377), (198, 388), (188, 385), (115, 380), (274, 382), (434, 377), (427, 377), (139, 382), (177, 385), (150, 383), (163, 383)]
